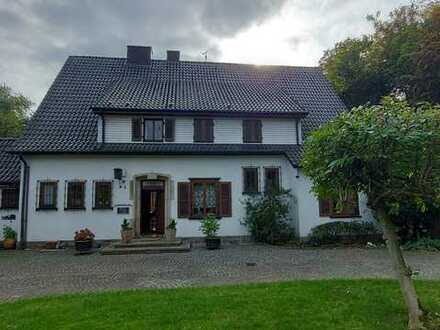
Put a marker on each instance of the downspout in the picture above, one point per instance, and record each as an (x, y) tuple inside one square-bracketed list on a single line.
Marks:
[(24, 204)]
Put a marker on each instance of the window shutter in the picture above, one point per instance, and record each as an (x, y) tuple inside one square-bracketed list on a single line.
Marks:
[(259, 131), (136, 129), (210, 127), (225, 199), (325, 207), (169, 130), (197, 130), (183, 199)]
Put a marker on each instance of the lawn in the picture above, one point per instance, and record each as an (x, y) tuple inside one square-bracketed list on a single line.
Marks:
[(329, 304)]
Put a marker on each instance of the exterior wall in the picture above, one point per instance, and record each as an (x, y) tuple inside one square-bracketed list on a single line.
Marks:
[(226, 130), (308, 207), (61, 224)]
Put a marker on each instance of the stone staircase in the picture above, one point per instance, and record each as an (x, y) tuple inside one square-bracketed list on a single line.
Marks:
[(146, 245)]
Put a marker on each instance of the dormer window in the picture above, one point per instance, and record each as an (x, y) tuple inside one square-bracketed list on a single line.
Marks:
[(153, 130)]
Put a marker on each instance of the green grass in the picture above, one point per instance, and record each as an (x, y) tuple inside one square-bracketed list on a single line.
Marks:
[(329, 304)]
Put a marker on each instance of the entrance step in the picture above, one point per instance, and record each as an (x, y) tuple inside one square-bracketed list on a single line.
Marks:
[(113, 250), (147, 243)]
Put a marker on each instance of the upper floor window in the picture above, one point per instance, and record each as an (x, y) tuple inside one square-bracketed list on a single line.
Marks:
[(272, 180), (350, 208), (252, 131), (9, 198), (250, 180), (47, 195), (153, 130), (203, 130), (103, 195), (75, 195)]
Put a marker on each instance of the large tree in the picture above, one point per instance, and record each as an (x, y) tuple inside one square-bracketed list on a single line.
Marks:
[(14, 111), (403, 53), (389, 152)]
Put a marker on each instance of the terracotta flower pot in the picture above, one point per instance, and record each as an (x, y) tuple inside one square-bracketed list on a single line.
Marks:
[(127, 235), (9, 244)]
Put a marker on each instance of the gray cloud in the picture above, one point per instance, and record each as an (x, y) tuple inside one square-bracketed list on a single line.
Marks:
[(37, 36)]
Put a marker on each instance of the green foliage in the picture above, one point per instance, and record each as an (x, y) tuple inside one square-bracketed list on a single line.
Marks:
[(210, 226), (14, 110), (403, 53), (332, 232), (172, 225), (389, 152), (423, 244), (126, 225), (267, 217), (9, 233)]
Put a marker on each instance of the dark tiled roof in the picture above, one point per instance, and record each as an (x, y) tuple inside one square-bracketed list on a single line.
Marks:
[(65, 122), (9, 163)]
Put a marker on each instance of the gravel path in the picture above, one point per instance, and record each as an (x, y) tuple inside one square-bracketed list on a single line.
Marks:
[(31, 273)]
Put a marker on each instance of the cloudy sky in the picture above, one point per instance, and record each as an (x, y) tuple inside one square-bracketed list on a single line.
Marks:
[(36, 36)]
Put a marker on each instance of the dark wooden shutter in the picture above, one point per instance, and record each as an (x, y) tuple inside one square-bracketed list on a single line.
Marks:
[(225, 209), (325, 207), (203, 130), (136, 129), (169, 129), (183, 199), (259, 128)]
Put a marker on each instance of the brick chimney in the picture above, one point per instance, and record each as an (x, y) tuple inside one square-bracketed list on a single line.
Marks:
[(139, 54)]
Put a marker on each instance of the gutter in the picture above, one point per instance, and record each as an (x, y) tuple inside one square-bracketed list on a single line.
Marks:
[(24, 203)]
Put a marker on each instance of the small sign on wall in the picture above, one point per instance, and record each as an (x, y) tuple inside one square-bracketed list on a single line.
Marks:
[(123, 210)]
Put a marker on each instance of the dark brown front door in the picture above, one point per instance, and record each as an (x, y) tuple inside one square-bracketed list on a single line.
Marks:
[(152, 207)]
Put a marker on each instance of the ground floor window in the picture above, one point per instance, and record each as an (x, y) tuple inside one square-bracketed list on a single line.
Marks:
[(328, 208), (103, 195), (9, 198), (204, 197), (251, 181), (47, 195), (272, 179), (75, 195), (199, 197)]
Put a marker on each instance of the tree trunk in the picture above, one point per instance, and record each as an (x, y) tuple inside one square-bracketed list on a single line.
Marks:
[(403, 273)]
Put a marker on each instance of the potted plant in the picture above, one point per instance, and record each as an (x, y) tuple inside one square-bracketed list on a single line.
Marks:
[(127, 233), (170, 231), (209, 227), (84, 240), (9, 238)]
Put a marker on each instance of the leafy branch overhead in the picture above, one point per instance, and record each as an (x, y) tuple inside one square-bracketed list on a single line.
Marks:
[(403, 53)]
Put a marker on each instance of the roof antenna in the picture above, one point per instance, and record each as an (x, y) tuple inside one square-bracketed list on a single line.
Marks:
[(205, 54)]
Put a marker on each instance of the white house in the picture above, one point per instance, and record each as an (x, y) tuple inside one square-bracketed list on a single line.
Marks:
[(152, 140)]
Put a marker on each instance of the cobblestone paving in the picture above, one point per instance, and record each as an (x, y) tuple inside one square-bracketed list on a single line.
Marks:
[(31, 273)]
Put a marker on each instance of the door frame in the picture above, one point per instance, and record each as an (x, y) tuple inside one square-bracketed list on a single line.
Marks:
[(168, 196)]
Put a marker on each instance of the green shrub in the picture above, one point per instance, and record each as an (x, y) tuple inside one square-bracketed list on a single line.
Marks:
[(210, 226), (267, 217), (423, 244), (332, 232)]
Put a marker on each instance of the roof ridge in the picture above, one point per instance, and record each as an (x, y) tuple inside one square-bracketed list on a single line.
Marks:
[(203, 62)]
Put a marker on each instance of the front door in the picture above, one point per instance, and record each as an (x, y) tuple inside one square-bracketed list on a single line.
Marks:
[(152, 207)]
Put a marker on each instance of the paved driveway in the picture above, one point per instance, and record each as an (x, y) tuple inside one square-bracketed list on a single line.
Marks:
[(29, 273)]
